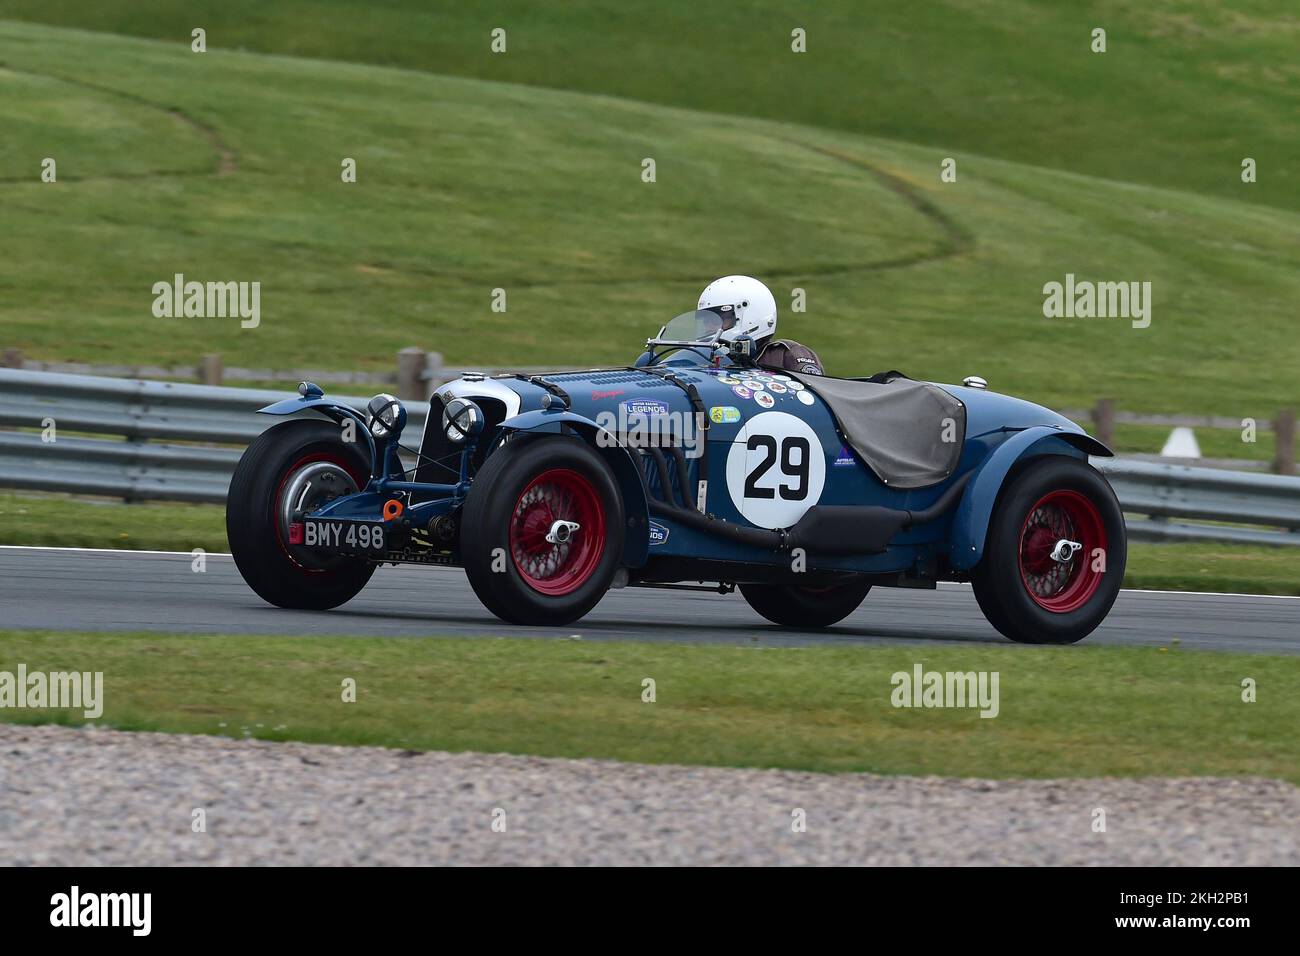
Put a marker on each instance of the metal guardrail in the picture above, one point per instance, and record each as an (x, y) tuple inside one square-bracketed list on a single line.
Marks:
[(414, 372), (170, 437), (145, 461), (1171, 494)]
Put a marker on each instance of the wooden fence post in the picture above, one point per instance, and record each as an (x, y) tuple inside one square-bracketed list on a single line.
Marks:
[(436, 374), (1103, 421), (1284, 437), (411, 384), (210, 369)]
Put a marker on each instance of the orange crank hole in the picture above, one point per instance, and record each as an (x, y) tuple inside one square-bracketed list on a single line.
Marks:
[(392, 509)]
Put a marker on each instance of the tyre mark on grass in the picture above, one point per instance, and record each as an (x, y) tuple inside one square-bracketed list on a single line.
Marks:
[(955, 239), (224, 153)]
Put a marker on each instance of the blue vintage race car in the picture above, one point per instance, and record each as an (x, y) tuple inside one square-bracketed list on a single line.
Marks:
[(691, 466)]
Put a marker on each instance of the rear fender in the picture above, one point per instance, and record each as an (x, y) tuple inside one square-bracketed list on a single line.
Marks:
[(970, 522), (636, 515)]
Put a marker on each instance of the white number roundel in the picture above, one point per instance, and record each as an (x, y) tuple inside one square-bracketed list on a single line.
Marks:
[(775, 469)]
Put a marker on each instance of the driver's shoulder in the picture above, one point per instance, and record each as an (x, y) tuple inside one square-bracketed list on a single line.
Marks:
[(790, 356)]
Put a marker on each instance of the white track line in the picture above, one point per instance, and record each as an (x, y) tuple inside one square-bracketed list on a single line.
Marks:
[(37, 547), (946, 584), (1280, 597)]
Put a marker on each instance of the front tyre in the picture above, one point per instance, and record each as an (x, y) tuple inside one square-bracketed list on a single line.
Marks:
[(1055, 553), (542, 531), (805, 607), (293, 466)]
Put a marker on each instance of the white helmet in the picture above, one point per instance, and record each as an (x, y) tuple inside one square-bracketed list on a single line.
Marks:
[(748, 300)]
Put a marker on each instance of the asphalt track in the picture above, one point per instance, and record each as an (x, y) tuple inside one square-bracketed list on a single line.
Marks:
[(67, 589)]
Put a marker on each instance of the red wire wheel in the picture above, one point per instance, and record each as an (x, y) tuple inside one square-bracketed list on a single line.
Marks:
[(557, 568), (1061, 586)]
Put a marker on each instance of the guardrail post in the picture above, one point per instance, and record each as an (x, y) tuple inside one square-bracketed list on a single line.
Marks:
[(411, 386), (1103, 421), (210, 369), (13, 358), (1284, 437), (434, 373)]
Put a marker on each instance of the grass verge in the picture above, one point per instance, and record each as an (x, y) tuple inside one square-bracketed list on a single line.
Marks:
[(61, 522), (1186, 88), (167, 162), (1244, 568), (1063, 712)]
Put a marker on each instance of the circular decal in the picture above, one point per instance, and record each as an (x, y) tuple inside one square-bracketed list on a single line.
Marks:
[(764, 399), (795, 386), (783, 378), (728, 380), (753, 384), (805, 397), (741, 391), (775, 469), (776, 387)]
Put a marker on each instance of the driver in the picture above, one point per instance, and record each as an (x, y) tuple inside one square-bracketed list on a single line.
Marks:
[(746, 307)]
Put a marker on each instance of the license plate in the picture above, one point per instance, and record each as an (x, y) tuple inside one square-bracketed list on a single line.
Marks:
[(366, 537)]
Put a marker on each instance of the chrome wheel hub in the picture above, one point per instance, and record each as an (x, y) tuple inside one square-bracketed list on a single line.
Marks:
[(305, 490), (1065, 550), (561, 531)]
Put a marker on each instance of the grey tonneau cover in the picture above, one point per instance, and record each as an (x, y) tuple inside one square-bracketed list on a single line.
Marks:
[(898, 427)]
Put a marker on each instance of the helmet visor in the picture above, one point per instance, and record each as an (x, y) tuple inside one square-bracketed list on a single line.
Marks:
[(726, 315)]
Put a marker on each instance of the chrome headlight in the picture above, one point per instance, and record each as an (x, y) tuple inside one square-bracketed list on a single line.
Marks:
[(385, 416), (461, 419)]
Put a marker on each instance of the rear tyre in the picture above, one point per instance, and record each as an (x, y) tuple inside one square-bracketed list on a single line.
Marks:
[(805, 607), (301, 463), (1025, 592), (525, 491)]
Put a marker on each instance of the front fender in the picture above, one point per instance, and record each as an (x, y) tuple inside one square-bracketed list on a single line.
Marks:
[(333, 409), (627, 474), (970, 523), (328, 406)]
